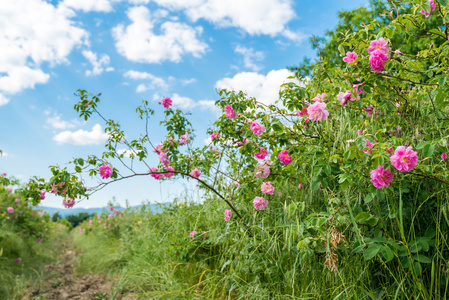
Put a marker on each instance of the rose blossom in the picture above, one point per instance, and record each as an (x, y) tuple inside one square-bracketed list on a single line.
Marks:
[(344, 97), (358, 89), (163, 158), (302, 112), (68, 202), (105, 171), (195, 173), (166, 102), (377, 60), (380, 44), (350, 57), (42, 195), (369, 110), (192, 234), (230, 113), (227, 215), (300, 186), (257, 128), (214, 135), (432, 8), (267, 188), (158, 148), (444, 156), (260, 203), (10, 210), (169, 174), (156, 176), (262, 171), (320, 97), (380, 177), (237, 184), (261, 154), (317, 111), (404, 159), (284, 157), (184, 138), (18, 260)]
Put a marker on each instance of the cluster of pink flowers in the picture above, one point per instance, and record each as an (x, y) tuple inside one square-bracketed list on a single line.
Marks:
[(257, 128), (369, 110), (378, 51), (155, 173), (262, 154), (184, 138), (369, 145), (350, 57), (55, 189), (105, 171), (284, 157), (166, 102), (245, 141), (68, 202), (227, 215), (344, 97), (193, 233), (164, 158), (230, 113), (317, 111), (260, 203), (158, 148), (195, 173), (214, 135), (432, 8), (262, 171), (267, 188)]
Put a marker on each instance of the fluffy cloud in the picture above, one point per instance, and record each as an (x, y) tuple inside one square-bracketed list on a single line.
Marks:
[(154, 81), (249, 57), (89, 5), (265, 88), (99, 64), (253, 16), (82, 137), (138, 42), (3, 100), (56, 122), (33, 32)]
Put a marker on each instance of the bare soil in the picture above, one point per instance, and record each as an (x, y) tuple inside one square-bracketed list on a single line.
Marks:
[(60, 282)]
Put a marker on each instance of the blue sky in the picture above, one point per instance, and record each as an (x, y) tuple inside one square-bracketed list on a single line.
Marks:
[(131, 50)]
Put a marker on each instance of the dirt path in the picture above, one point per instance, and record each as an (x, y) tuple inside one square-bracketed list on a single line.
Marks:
[(61, 283)]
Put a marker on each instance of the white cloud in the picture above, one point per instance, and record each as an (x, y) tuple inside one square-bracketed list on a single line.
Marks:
[(249, 57), (3, 100), (264, 88), (188, 81), (98, 65), (33, 32), (154, 81), (253, 16), (4, 154), (55, 122), (138, 42), (82, 137), (89, 5)]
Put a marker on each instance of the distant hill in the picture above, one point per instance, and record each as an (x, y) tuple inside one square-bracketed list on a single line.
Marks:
[(63, 212)]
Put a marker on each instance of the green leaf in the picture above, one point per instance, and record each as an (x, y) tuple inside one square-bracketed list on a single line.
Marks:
[(371, 251), (363, 216), (422, 145), (316, 185), (387, 253), (428, 150), (342, 50), (422, 259), (443, 2)]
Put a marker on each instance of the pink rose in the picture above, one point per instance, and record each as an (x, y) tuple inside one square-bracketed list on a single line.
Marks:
[(166, 102), (105, 171), (320, 97), (302, 112), (344, 97), (260, 203), (267, 188), (227, 215), (68, 202), (404, 159), (444, 156), (163, 158), (158, 148), (169, 174), (380, 177), (214, 135), (284, 157), (350, 57), (42, 195), (230, 113), (358, 89), (192, 234), (432, 8), (257, 128), (184, 138), (261, 154), (155, 175), (377, 60), (369, 110), (10, 210), (317, 111), (195, 173), (380, 44), (262, 171)]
